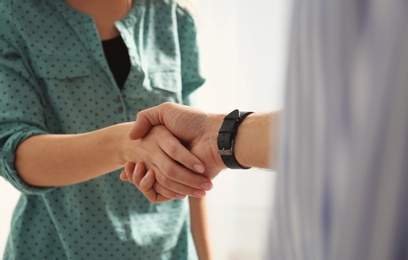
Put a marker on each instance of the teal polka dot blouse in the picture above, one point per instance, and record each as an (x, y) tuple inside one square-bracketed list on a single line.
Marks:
[(54, 78)]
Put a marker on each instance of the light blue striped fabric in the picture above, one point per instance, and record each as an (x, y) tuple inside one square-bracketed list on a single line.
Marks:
[(342, 191)]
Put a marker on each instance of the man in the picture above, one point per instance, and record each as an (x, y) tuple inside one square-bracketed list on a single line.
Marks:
[(343, 139)]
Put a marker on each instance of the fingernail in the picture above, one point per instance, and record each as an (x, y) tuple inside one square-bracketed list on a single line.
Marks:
[(207, 186), (136, 168), (199, 168), (199, 193), (180, 196)]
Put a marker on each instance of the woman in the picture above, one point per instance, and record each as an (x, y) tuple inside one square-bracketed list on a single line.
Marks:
[(70, 73)]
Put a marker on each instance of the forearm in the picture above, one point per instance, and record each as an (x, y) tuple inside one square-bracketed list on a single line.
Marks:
[(199, 227), (59, 160), (255, 143)]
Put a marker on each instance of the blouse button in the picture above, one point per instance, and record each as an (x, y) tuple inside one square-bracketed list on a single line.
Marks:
[(120, 110)]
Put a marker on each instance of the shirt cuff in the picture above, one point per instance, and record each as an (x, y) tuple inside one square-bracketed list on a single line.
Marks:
[(7, 161)]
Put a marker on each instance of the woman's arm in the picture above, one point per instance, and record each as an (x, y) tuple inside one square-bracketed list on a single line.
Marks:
[(59, 160), (199, 227)]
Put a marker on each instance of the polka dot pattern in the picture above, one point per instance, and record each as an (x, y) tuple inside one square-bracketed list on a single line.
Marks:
[(54, 78)]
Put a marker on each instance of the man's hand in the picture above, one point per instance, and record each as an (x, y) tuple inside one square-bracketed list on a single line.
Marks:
[(197, 130)]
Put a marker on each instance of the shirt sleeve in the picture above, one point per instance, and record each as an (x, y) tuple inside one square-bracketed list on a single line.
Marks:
[(192, 77), (21, 112)]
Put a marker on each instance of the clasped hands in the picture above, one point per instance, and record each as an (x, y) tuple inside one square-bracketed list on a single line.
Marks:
[(192, 145)]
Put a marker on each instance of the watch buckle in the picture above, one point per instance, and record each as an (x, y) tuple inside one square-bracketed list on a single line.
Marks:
[(227, 152)]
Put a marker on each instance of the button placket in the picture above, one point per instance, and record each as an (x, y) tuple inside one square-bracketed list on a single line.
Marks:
[(119, 108)]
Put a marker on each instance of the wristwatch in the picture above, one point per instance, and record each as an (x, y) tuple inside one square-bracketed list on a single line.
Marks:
[(226, 138)]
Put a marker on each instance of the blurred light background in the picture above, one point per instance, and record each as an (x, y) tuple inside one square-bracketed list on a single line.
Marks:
[(243, 46)]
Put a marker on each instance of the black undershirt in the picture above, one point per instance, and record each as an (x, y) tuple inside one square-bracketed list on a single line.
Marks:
[(117, 56)]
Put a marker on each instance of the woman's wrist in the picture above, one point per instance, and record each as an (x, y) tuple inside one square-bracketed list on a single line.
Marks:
[(121, 142)]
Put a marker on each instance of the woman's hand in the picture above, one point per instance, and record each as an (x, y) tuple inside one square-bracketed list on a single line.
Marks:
[(144, 181), (168, 163)]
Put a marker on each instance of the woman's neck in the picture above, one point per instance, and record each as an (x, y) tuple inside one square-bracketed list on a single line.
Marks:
[(105, 13)]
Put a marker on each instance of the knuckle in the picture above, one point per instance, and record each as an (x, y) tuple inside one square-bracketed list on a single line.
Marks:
[(170, 172), (143, 188), (167, 104), (163, 193), (172, 150), (156, 188), (166, 170), (163, 180)]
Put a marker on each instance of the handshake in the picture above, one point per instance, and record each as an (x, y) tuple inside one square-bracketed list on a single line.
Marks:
[(187, 158)]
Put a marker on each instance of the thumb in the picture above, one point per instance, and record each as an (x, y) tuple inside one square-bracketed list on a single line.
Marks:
[(146, 120)]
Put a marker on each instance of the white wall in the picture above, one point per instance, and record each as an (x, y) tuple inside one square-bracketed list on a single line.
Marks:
[(8, 199), (244, 48), (244, 53)]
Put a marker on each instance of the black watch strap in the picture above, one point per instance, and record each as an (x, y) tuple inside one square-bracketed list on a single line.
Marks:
[(226, 138)]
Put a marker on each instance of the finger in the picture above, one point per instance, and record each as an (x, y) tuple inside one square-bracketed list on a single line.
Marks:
[(129, 168), (172, 189), (139, 176), (172, 169), (146, 183), (175, 150), (151, 194), (138, 173), (162, 191), (173, 153), (123, 175), (145, 120), (175, 173)]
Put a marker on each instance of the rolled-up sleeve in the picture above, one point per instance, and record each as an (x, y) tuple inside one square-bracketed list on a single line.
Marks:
[(21, 112), (191, 73)]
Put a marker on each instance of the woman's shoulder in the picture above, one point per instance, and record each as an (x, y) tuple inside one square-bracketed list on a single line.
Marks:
[(6, 6), (180, 9), (185, 5), (18, 17), (6, 18), (19, 10)]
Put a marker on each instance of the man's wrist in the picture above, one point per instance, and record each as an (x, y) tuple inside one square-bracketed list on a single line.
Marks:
[(255, 141), (242, 132), (217, 121), (226, 138)]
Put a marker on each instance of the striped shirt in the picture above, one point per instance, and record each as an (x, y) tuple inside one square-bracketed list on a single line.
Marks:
[(343, 167)]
